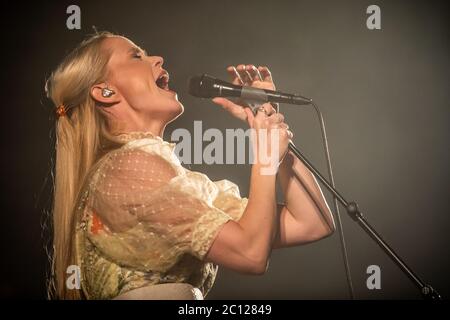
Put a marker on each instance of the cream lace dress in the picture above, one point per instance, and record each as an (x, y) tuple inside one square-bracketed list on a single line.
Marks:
[(143, 219)]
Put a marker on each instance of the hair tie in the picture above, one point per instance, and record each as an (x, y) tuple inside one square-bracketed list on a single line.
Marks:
[(61, 111)]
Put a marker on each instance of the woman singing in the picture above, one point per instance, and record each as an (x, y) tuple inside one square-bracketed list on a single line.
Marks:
[(136, 223)]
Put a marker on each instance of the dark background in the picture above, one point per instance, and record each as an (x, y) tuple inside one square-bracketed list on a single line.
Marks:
[(384, 94)]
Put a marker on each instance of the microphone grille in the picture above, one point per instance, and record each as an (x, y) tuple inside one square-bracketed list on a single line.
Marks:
[(202, 86), (194, 85)]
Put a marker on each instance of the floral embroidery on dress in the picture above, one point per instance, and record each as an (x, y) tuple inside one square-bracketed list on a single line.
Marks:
[(146, 220)]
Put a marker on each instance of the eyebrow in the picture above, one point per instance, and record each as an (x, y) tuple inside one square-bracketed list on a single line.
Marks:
[(136, 49)]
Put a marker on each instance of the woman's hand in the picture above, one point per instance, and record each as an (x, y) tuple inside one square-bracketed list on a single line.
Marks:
[(247, 75), (267, 118), (270, 138)]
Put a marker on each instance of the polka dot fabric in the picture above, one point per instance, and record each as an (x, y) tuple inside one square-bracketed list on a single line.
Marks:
[(144, 219)]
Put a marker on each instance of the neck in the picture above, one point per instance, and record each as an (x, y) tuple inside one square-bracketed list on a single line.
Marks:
[(156, 130), (155, 127)]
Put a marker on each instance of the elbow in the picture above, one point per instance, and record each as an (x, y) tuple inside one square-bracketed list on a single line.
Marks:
[(257, 265), (321, 232), (331, 227), (260, 268), (327, 231), (252, 268), (328, 227)]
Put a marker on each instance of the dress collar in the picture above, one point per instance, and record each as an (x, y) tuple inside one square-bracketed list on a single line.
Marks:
[(136, 135), (139, 135), (147, 141)]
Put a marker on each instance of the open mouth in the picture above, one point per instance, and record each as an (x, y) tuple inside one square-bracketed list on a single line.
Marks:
[(163, 81)]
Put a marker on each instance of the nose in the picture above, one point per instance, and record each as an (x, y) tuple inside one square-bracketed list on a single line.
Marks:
[(158, 61)]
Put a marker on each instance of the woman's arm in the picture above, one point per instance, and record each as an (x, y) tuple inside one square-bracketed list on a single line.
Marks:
[(306, 216), (245, 245), (302, 224)]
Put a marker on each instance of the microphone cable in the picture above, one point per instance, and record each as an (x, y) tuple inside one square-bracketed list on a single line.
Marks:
[(335, 202)]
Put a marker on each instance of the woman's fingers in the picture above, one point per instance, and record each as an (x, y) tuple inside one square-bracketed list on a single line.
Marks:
[(272, 110), (291, 135), (250, 116), (265, 73), (242, 113), (260, 118), (245, 76), (254, 72), (235, 76), (224, 102), (236, 110), (249, 75), (276, 118), (269, 108)]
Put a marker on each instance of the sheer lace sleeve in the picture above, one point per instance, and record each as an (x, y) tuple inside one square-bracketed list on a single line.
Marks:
[(229, 199), (147, 212)]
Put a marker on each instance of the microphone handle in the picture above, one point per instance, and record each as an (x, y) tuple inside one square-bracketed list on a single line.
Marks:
[(263, 96)]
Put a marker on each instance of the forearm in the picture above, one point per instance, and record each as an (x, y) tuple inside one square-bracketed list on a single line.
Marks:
[(259, 220), (304, 198)]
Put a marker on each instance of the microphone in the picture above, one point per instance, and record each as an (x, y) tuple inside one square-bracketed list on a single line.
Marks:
[(206, 86)]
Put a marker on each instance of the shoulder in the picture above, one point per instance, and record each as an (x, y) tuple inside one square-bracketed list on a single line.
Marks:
[(126, 165), (125, 181)]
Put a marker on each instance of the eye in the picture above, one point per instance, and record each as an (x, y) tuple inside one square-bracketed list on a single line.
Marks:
[(137, 55)]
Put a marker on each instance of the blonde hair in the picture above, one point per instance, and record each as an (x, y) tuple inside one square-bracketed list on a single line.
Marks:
[(81, 138)]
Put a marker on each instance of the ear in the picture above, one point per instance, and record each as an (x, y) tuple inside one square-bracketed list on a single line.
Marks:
[(97, 93)]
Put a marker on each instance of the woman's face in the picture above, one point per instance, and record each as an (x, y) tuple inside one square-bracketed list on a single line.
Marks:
[(134, 74)]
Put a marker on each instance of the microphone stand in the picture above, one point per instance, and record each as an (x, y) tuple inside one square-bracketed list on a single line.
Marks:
[(201, 86), (353, 211)]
